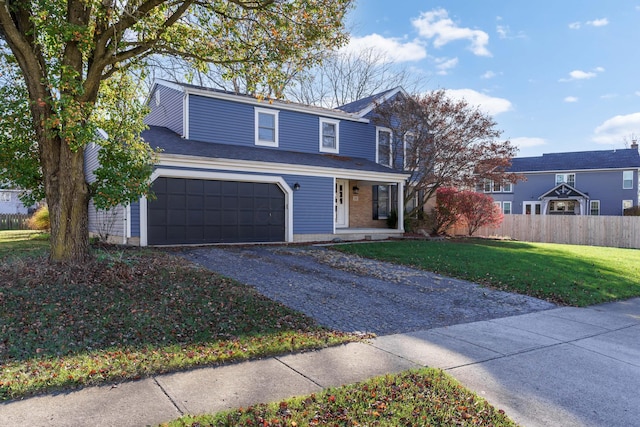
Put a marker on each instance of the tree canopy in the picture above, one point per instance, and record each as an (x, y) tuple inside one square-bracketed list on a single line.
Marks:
[(443, 142), (66, 72)]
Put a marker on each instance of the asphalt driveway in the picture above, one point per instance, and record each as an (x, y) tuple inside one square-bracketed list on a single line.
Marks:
[(353, 294)]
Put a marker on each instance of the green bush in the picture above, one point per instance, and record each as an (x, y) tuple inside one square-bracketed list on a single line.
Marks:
[(40, 219)]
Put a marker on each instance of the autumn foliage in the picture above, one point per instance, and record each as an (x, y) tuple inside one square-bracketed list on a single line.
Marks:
[(464, 207)]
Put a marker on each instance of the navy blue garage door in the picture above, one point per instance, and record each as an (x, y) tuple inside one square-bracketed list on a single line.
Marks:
[(193, 211)]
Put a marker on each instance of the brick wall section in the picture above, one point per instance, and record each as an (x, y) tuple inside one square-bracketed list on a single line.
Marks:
[(361, 210)]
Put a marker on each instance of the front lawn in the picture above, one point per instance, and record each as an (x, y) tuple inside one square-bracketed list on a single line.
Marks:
[(425, 397), (565, 274), (128, 314)]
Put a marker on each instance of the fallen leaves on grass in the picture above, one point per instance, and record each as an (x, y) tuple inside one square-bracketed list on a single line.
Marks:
[(129, 315), (412, 398)]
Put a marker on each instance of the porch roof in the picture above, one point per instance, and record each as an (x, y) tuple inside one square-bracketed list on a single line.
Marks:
[(171, 143), (563, 191)]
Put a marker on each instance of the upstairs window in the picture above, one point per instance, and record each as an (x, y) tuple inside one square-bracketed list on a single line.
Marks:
[(266, 127), (627, 180), (411, 152), (5, 196), (329, 135), (566, 178), (487, 186), (383, 142), (507, 187)]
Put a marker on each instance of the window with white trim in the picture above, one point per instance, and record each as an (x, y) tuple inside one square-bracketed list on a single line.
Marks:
[(626, 204), (507, 187), (487, 185), (329, 135), (594, 207), (383, 144), (627, 180), (566, 178), (506, 208), (410, 149), (381, 201), (5, 196), (266, 121)]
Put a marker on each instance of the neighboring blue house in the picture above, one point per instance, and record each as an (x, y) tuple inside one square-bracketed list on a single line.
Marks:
[(10, 202), (581, 183), (237, 169)]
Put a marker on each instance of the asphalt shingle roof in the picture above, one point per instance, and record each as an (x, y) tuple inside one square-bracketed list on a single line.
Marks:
[(171, 143), (360, 104), (581, 160)]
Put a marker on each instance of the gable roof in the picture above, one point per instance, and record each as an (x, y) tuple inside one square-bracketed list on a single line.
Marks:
[(172, 143), (362, 107), (563, 191), (581, 160), (249, 99)]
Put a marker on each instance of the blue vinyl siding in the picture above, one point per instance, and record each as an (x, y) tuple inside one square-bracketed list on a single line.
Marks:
[(312, 204), (605, 186), (169, 113), (220, 121), (227, 122)]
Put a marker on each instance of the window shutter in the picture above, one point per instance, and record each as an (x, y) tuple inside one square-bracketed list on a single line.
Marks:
[(374, 197)]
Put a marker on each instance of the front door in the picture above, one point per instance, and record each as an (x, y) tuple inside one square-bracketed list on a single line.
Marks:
[(532, 208), (342, 203)]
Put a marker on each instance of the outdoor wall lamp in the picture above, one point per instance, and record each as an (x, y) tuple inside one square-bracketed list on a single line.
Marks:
[(296, 186), (355, 189)]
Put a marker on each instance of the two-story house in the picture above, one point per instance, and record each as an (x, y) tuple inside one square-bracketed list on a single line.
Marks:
[(579, 183), (234, 168)]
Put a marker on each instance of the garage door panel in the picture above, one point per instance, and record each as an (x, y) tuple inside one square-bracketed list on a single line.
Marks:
[(200, 211)]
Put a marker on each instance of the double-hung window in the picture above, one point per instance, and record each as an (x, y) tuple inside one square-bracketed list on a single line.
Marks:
[(266, 127), (627, 180), (5, 196), (566, 178), (594, 207), (383, 144), (506, 208), (381, 201), (329, 135)]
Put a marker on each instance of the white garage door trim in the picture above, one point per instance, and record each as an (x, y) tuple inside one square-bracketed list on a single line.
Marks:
[(220, 176)]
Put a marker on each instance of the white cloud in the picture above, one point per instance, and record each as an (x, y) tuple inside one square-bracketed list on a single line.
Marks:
[(638, 93), (488, 75), (582, 75), (598, 22), (571, 99), (617, 128), (594, 23), (502, 31), (438, 26), (393, 49), (490, 105), (443, 65), (527, 142), (609, 96)]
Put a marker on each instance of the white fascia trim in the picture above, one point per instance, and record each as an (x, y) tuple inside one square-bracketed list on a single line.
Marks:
[(185, 116), (333, 211), (381, 100), (277, 168), (220, 176), (337, 125), (566, 171), (128, 221), (317, 111)]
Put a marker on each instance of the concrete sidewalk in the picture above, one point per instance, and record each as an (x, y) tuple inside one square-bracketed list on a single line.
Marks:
[(565, 366)]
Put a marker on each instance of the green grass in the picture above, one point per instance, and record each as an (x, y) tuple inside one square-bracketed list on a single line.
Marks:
[(565, 274), (425, 397), (15, 243), (130, 314)]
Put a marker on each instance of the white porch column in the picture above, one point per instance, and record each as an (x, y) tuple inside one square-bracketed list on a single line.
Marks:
[(401, 206)]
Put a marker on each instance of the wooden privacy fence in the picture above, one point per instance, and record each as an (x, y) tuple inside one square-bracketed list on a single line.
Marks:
[(13, 221), (613, 231)]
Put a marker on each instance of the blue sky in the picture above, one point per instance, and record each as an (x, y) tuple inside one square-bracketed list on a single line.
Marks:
[(557, 76)]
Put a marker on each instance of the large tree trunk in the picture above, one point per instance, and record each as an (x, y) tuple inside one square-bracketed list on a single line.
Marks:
[(68, 200)]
